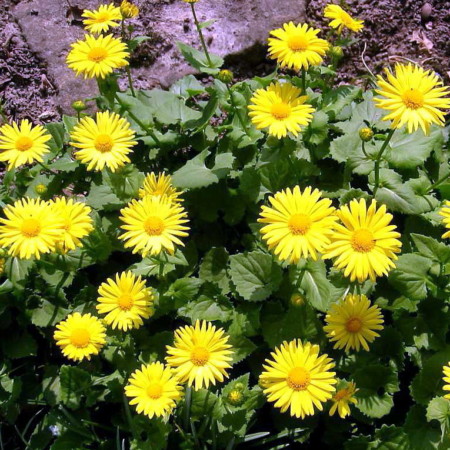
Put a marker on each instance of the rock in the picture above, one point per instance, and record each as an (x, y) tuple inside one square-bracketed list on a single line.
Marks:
[(426, 11), (50, 27)]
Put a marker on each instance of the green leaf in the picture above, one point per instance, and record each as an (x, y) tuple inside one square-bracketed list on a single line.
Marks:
[(439, 409), (410, 276), (198, 59), (207, 309), (214, 268), (187, 87), (207, 112), (421, 434), (391, 438), (17, 271), (102, 196), (184, 289), (125, 182), (255, 275), (317, 130), (430, 248), (19, 345), (74, 384), (48, 314)]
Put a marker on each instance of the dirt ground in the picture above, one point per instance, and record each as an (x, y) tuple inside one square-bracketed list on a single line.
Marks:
[(395, 30)]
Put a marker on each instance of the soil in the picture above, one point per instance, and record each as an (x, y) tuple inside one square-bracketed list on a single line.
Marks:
[(395, 30)]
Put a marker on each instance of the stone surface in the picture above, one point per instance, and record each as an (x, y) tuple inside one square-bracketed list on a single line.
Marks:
[(50, 26)]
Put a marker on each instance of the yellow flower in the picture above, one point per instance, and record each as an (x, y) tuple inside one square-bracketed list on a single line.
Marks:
[(297, 378), (152, 225), (128, 10), (125, 301), (446, 378), (280, 108), (97, 56), (190, 1), (159, 186), (103, 18), (297, 46), (299, 223), (445, 213), (105, 141), (30, 228), (365, 244), (413, 96), (22, 144), (80, 336), (76, 220), (351, 323), (342, 19), (154, 390), (200, 355), (342, 400)]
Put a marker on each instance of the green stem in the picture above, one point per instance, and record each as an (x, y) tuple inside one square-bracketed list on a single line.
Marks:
[(47, 168), (130, 80), (202, 40), (78, 116), (238, 114), (377, 161), (187, 413), (364, 150), (438, 182), (303, 81)]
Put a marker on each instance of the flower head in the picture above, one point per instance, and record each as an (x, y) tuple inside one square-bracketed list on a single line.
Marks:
[(125, 300), (225, 76), (152, 225), (446, 378), (297, 46), (299, 224), (353, 322), (365, 243), (298, 379), (366, 134), (200, 354), (22, 144), (342, 400), (159, 186), (102, 19), (413, 96), (103, 142), (128, 10), (342, 19), (281, 108), (77, 223), (153, 389), (235, 397), (445, 213), (30, 228), (80, 336), (97, 57)]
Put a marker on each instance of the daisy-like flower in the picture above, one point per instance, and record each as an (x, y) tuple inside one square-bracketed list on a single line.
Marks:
[(152, 225), (97, 57), (413, 96), (297, 46), (342, 19), (342, 400), (353, 322), (153, 389), (445, 213), (281, 108), (77, 223), (125, 301), (446, 378), (200, 354), (365, 244), (103, 142), (80, 336), (298, 379), (102, 19), (22, 144), (30, 228), (159, 186), (299, 223)]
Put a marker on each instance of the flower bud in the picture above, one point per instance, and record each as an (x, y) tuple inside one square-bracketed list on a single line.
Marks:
[(225, 76), (297, 299), (336, 52), (79, 106), (235, 397), (40, 189), (366, 134), (239, 386), (128, 10)]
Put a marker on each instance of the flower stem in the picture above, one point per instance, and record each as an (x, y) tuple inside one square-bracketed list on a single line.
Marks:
[(47, 168), (127, 67), (303, 81), (377, 161), (236, 110), (438, 183), (187, 413), (202, 40)]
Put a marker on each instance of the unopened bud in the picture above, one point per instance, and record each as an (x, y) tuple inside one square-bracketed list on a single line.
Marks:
[(128, 10), (366, 134), (40, 189), (225, 76), (235, 397), (297, 299), (79, 106), (336, 52)]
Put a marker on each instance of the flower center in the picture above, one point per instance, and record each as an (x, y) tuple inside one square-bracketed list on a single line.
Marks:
[(280, 111), (30, 228), (298, 379), (298, 43), (199, 356), (154, 391), (299, 224), (102, 17), (24, 143), (125, 301), (353, 325), (97, 54), (363, 241), (80, 338), (340, 395), (67, 224), (153, 226), (103, 143), (413, 99)]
